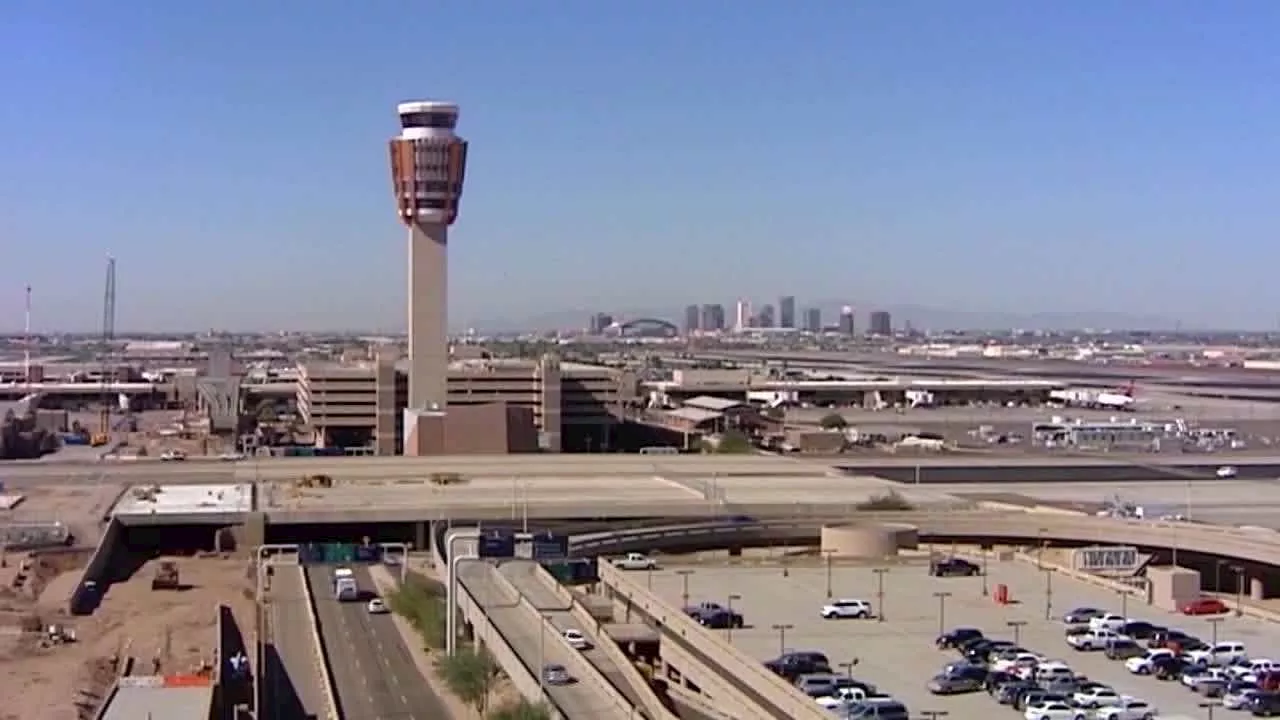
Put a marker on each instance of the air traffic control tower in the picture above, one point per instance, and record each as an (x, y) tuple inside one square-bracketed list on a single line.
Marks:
[(428, 161)]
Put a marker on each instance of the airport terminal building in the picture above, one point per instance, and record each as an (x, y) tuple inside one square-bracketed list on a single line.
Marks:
[(493, 405)]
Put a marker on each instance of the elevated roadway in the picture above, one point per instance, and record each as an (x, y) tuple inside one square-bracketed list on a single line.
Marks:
[(536, 646), (529, 581), (374, 674), (294, 683)]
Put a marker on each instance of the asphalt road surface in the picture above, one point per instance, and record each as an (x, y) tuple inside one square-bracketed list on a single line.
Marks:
[(375, 676)]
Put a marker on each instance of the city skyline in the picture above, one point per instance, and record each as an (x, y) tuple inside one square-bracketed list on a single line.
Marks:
[(1082, 161)]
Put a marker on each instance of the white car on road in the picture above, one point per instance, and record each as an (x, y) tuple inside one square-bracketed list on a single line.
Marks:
[(1054, 711), (377, 607), (1227, 471), (576, 639), (1129, 708), (841, 609)]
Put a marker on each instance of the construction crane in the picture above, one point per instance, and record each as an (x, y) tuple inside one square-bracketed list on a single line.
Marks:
[(108, 338)]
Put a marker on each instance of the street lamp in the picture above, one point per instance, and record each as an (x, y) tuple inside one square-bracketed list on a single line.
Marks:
[(542, 650), (827, 554), (1124, 601), (729, 603), (848, 667), (684, 581), (1214, 622), (1040, 548), (1239, 589), (986, 550), (782, 636), (933, 714), (880, 573), (1017, 626), (1209, 706), (942, 611)]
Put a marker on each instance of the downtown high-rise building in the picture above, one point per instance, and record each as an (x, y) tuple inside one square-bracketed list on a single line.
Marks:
[(713, 318), (813, 320), (766, 318), (428, 163), (692, 319), (599, 322), (881, 323), (848, 324), (787, 312), (742, 319)]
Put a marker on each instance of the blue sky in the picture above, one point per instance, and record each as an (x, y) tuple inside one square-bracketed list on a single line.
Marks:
[(992, 155)]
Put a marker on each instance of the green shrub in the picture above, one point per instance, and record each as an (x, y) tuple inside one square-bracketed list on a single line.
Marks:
[(520, 710), (470, 674), (422, 601), (888, 501)]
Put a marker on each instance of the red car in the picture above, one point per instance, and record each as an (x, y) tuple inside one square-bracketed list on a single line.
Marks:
[(1204, 606)]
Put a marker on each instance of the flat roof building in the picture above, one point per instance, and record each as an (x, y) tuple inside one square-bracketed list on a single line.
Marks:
[(566, 406)]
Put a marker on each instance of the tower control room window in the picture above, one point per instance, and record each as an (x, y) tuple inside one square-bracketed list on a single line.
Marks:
[(444, 121)]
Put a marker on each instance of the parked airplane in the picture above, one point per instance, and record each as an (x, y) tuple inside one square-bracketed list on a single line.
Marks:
[(1120, 399)]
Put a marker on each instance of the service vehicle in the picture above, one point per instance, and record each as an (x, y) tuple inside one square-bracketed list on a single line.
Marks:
[(345, 588), (1091, 640), (1223, 653), (846, 609), (635, 561)]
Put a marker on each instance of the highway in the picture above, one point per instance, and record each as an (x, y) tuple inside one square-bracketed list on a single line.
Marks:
[(294, 669), (523, 575), (375, 676), (525, 633)]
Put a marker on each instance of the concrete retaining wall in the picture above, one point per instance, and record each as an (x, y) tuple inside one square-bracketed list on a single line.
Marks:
[(749, 671), (652, 706), (331, 711), (88, 592)]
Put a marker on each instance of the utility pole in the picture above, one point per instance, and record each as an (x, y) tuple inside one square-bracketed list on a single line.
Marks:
[(880, 572), (942, 611), (108, 339)]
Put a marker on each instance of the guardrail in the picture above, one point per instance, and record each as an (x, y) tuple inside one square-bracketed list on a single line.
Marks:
[(754, 678), (88, 592), (333, 711), (653, 707), (583, 669)]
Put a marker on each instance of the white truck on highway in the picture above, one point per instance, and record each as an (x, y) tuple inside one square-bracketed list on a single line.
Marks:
[(345, 588), (635, 561)]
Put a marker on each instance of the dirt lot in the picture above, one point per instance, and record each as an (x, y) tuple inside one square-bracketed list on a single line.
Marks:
[(175, 627)]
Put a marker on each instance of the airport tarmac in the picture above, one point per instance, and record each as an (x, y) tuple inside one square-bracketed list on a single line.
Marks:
[(899, 656)]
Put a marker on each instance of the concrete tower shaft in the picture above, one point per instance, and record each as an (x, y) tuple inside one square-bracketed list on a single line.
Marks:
[(428, 163)]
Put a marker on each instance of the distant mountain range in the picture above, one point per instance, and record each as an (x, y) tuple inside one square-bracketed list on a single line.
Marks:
[(918, 316)]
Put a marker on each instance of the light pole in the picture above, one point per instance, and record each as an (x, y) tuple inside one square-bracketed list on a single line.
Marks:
[(985, 552), (729, 632), (1017, 629), (1048, 593), (542, 651), (1214, 622), (1209, 706), (827, 554), (942, 611), (649, 577), (880, 573), (1124, 602), (848, 667), (1040, 548), (933, 714), (782, 636), (1239, 589), (684, 593)]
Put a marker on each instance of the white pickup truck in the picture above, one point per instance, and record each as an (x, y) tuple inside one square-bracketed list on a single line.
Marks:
[(1086, 640), (635, 561)]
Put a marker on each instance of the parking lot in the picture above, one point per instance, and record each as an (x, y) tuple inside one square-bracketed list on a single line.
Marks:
[(898, 654)]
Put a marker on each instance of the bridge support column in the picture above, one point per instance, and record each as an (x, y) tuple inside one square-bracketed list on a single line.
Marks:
[(421, 536), (1257, 588), (253, 532)]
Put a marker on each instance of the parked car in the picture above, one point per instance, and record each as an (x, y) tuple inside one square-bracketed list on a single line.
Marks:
[(1009, 692), (958, 679), (953, 566), (1081, 615), (847, 608), (816, 684), (1040, 696), (1091, 640), (699, 608), (1251, 669), (1123, 649), (1145, 664), (1175, 640), (635, 561), (720, 619), (794, 664), (1223, 653), (1168, 667), (1140, 629), (958, 637), (1203, 606), (1108, 621), (1055, 711), (1265, 704), (1238, 695), (1128, 708), (1096, 697)]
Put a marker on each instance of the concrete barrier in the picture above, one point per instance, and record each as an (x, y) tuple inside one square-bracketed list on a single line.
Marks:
[(527, 680), (582, 668), (332, 712), (699, 703), (220, 655), (649, 701), (720, 692), (775, 691), (93, 579)]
